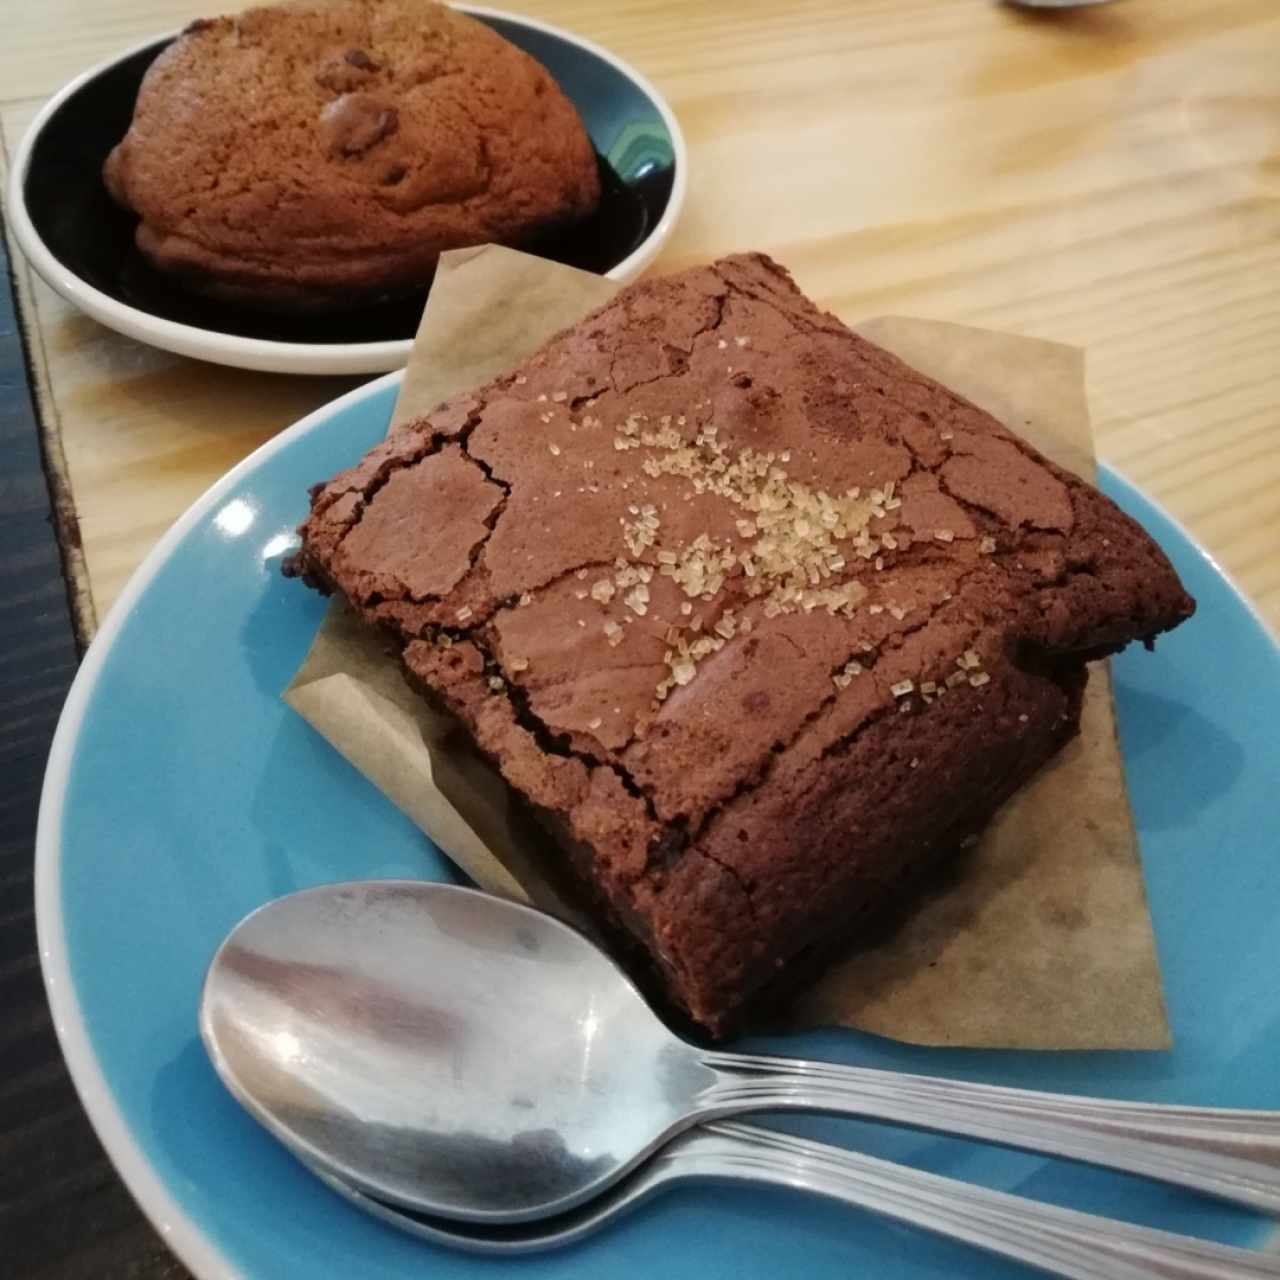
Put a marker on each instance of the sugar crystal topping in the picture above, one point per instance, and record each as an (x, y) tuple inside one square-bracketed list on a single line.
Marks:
[(795, 549)]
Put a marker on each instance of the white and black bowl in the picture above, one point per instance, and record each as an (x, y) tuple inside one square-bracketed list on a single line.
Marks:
[(82, 244)]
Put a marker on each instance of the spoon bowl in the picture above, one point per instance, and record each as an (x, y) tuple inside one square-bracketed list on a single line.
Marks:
[(441, 1050)]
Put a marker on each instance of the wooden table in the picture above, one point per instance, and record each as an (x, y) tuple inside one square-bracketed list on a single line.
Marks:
[(1107, 177)]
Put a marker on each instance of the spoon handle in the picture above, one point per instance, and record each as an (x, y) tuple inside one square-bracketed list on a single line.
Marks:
[(1062, 1241), (1232, 1154)]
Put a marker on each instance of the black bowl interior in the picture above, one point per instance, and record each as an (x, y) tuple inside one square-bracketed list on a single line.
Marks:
[(93, 238)]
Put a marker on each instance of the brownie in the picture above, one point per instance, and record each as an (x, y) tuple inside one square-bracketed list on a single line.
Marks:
[(757, 618), (310, 156)]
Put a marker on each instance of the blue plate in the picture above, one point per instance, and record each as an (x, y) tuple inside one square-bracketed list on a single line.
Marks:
[(181, 793)]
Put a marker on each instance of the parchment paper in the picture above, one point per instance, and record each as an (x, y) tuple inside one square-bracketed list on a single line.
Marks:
[(1039, 937)]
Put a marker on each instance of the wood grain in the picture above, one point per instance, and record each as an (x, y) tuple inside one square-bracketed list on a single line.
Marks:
[(1108, 177)]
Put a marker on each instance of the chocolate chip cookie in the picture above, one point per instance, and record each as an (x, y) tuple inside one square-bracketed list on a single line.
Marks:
[(310, 157)]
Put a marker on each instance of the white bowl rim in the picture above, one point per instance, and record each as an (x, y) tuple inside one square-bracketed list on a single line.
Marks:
[(267, 355)]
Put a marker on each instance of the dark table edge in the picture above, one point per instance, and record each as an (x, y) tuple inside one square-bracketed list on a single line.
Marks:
[(64, 1213)]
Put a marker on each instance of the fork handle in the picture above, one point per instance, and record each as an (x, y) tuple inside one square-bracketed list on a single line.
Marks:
[(1063, 1242), (1232, 1154)]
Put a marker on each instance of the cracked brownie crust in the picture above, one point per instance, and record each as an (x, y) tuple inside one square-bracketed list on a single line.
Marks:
[(304, 157), (758, 619)]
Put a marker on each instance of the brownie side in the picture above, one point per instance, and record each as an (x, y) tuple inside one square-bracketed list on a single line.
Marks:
[(873, 798), (755, 615)]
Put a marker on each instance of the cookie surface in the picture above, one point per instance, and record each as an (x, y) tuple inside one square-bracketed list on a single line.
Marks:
[(303, 157), (759, 619)]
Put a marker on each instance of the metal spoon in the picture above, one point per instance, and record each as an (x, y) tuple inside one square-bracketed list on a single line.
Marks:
[(1062, 1241), (459, 1054)]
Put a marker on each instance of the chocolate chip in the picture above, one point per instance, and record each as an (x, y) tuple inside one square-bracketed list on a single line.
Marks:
[(393, 175), (666, 848), (353, 123), (346, 71)]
